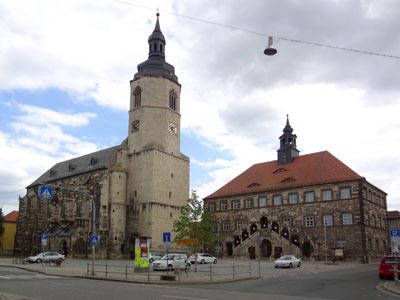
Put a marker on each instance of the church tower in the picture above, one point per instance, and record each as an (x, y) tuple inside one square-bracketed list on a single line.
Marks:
[(287, 151), (158, 173)]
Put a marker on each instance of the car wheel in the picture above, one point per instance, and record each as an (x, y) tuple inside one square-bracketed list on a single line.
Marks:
[(39, 260), (290, 265), (202, 261), (215, 261), (299, 265), (151, 260), (276, 267), (170, 268), (188, 266)]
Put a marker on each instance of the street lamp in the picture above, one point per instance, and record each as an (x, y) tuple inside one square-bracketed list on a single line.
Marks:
[(326, 246), (269, 50)]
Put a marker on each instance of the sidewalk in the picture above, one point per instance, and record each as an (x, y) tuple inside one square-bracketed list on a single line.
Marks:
[(122, 270)]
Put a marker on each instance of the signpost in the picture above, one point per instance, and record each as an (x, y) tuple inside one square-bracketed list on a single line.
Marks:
[(43, 237), (45, 192), (394, 243)]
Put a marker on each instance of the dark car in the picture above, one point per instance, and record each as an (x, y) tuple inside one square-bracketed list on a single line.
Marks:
[(386, 266)]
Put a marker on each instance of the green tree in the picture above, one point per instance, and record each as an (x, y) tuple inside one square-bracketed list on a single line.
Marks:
[(194, 223)]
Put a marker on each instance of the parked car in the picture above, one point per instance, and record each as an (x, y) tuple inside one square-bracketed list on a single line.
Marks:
[(202, 258), (386, 266), (154, 256), (171, 261), (45, 256), (287, 261)]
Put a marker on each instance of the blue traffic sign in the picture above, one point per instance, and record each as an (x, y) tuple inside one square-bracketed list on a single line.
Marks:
[(45, 192), (44, 236), (166, 237), (395, 233), (94, 240)]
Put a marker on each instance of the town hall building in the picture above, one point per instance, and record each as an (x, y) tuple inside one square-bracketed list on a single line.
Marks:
[(311, 205), (137, 187)]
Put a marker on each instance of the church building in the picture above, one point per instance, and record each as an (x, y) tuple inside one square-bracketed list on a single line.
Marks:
[(312, 205), (131, 190)]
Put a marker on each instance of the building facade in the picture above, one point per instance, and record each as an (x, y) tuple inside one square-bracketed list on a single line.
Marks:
[(8, 237), (309, 205), (135, 189)]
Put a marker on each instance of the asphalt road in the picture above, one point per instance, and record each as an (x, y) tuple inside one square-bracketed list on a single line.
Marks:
[(355, 284)]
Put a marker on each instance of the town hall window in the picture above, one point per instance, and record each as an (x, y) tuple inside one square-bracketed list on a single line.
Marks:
[(172, 100), (347, 219), (309, 221), (327, 195), (249, 203), (309, 196), (278, 200), (235, 204), (137, 94), (262, 201), (224, 205), (293, 198), (328, 220), (345, 193), (212, 206)]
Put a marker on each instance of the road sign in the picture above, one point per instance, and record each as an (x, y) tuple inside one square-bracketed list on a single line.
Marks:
[(394, 233), (44, 236), (187, 242), (94, 240), (45, 192), (166, 237)]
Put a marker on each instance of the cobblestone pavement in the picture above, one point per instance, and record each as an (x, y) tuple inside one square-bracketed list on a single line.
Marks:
[(225, 270)]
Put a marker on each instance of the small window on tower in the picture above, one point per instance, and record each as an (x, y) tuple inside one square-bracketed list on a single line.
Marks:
[(137, 94), (172, 100)]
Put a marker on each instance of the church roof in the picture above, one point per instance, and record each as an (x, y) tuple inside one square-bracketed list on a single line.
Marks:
[(82, 164), (310, 169), (11, 217)]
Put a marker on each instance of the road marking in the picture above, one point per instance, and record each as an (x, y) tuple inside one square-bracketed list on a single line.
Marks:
[(179, 297), (8, 277)]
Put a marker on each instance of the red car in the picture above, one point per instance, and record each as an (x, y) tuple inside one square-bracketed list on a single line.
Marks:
[(386, 266)]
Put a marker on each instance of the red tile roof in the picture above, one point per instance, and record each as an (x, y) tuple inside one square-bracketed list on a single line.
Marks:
[(309, 169), (11, 217), (394, 214)]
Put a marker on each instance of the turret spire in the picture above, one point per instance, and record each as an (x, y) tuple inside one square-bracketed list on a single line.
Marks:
[(287, 151)]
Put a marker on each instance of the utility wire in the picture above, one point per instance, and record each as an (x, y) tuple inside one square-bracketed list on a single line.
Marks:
[(4, 193), (261, 33)]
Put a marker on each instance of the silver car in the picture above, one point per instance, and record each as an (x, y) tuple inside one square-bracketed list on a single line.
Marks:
[(202, 258), (287, 261), (45, 256), (171, 261)]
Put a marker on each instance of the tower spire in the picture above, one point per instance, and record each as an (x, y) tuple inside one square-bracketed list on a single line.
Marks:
[(287, 151)]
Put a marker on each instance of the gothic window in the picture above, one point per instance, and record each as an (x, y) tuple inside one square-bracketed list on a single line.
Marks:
[(275, 226), (137, 94), (285, 233), (245, 235), (172, 100), (253, 228)]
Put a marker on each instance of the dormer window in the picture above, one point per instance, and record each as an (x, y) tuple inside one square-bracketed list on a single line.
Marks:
[(53, 173), (94, 161), (254, 184), (71, 167), (280, 170), (289, 179)]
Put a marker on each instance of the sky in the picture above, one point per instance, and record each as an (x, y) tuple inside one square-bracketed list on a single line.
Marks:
[(65, 68)]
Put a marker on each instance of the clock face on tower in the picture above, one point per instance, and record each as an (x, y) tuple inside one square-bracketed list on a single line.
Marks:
[(173, 128), (135, 125)]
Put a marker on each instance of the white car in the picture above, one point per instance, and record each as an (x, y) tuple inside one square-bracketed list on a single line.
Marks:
[(154, 256), (45, 256), (202, 258), (171, 261), (287, 261)]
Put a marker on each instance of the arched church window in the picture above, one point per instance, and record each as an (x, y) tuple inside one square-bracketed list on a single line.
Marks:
[(172, 100), (137, 94)]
